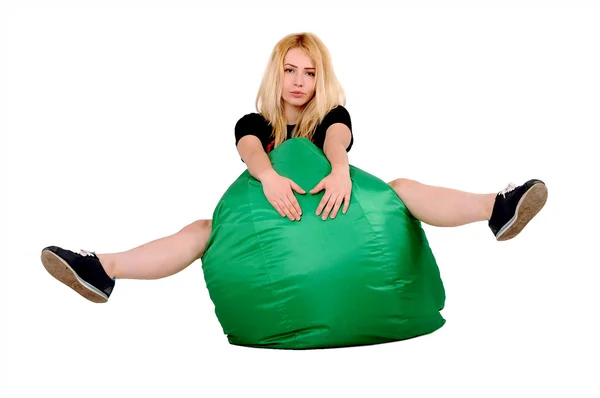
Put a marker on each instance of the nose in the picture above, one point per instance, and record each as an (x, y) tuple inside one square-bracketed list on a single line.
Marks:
[(299, 80)]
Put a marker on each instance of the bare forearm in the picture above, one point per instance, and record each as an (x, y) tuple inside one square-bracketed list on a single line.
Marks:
[(259, 165), (335, 152)]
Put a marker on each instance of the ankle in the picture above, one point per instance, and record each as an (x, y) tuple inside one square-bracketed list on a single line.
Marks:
[(488, 207), (108, 263)]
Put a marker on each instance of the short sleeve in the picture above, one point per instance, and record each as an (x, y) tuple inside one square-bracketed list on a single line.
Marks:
[(338, 114), (252, 124)]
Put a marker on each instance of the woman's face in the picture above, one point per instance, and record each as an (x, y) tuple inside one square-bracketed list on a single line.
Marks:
[(298, 78)]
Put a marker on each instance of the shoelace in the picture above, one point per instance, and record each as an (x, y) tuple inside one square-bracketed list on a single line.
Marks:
[(86, 253), (506, 190)]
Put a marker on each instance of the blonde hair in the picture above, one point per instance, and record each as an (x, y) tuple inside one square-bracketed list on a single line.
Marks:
[(328, 91)]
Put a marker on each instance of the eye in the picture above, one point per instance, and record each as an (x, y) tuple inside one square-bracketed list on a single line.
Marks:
[(288, 70), (311, 74)]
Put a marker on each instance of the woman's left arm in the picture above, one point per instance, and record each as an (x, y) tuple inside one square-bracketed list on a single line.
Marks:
[(337, 139), (337, 184)]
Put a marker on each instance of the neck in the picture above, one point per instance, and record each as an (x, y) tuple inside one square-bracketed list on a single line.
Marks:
[(291, 113)]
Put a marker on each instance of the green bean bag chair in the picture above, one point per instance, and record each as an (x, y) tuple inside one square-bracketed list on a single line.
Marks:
[(365, 277)]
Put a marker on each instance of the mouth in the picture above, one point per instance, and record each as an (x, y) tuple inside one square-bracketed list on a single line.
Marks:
[(297, 93)]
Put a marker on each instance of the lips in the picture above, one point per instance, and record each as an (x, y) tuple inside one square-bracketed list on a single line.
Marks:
[(297, 92)]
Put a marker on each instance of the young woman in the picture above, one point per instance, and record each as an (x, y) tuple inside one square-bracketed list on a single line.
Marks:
[(299, 96)]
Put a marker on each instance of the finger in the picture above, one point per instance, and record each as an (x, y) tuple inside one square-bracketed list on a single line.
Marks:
[(295, 203), (278, 208), (297, 188), (336, 207), (291, 208), (329, 206), (323, 202), (346, 203), (318, 187), (285, 209)]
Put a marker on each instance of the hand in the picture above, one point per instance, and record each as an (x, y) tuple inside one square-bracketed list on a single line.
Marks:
[(338, 187), (278, 191)]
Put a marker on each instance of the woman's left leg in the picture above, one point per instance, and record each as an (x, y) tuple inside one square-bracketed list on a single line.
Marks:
[(443, 207), (507, 211)]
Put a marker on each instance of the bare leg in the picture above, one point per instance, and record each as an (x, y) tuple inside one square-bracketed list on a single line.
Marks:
[(162, 257), (443, 207)]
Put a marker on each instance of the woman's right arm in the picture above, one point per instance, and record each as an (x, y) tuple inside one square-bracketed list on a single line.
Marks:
[(277, 189), (255, 157)]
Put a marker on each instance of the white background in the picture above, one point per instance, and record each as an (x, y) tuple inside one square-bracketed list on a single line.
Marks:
[(117, 129)]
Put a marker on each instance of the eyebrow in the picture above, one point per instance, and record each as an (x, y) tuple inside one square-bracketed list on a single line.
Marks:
[(296, 66)]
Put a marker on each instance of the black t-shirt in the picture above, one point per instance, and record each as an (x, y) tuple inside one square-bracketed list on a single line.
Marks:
[(256, 124)]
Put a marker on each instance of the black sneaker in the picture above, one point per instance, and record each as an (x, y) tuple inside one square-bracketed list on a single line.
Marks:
[(515, 206), (81, 271)]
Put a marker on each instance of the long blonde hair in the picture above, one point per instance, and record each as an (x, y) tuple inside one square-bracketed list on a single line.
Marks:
[(328, 91)]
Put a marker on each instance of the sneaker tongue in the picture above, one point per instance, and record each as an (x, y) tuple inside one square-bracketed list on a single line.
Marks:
[(509, 188)]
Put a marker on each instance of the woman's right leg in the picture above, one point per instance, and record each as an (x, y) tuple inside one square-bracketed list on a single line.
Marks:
[(161, 257), (93, 276)]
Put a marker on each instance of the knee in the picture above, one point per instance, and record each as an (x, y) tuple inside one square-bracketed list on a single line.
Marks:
[(199, 226), (205, 225), (398, 183)]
